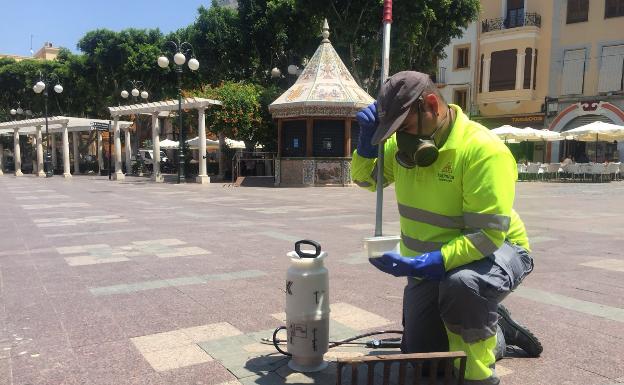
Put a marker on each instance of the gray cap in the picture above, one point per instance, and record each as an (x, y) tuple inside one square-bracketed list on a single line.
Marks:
[(395, 99)]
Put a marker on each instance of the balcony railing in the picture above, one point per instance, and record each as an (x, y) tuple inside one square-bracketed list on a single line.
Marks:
[(519, 20), (440, 76)]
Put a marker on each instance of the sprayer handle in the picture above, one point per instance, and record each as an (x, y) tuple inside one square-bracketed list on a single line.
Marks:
[(303, 254)]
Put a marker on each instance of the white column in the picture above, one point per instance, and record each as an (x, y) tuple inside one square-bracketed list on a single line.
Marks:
[(40, 171), (52, 140), (100, 147), (156, 175), (128, 151), (66, 168), (485, 84), (118, 175), (76, 147), (203, 177), (533, 68), (1, 159), (520, 70), (17, 154)]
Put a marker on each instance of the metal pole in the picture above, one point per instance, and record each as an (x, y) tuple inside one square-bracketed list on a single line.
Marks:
[(182, 146), (385, 65), (110, 154), (48, 168)]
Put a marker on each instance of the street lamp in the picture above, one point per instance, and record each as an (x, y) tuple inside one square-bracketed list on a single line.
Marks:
[(293, 70), (39, 87), (138, 89), (182, 50), (16, 112)]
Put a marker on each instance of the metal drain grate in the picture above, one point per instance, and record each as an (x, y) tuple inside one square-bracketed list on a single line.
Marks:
[(402, 369)]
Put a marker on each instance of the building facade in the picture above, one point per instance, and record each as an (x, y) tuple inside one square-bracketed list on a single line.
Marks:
[(553, 64), (47, 52), (456, 71)]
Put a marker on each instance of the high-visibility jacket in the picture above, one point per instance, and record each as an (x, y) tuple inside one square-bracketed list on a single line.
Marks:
[(461, 204)]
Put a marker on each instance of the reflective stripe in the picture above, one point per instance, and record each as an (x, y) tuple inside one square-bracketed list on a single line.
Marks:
[(471, 336), (482, 243), (430, 218), (470, 220), (362, 184), (422, 246), (487, 221)]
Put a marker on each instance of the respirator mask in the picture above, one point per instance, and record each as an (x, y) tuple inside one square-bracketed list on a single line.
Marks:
[(416, 150)]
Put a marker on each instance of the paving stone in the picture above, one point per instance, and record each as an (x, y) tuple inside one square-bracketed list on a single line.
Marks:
[(176, 357), (356, 318)]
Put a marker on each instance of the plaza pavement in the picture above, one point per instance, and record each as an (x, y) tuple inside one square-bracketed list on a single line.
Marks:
[(140, 283)]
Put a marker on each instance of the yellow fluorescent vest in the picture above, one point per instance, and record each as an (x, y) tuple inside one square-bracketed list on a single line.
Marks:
[(461, 204)]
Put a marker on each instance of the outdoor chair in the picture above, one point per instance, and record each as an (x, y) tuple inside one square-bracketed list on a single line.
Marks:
[(584, 169), (597, 171), (533, 171), (571, 170), (613, 170), (521, 171), (553, 170)]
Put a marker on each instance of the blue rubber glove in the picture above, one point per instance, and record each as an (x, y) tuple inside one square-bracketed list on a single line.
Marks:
[(429, 265), (367, 119)]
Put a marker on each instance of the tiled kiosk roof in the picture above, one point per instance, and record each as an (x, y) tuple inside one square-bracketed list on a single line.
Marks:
[(324, 88)]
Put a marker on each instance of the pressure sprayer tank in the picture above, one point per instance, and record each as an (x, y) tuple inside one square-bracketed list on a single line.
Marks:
[(307, 308)]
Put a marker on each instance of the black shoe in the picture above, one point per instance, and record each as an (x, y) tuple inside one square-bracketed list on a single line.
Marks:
[(516, 334)]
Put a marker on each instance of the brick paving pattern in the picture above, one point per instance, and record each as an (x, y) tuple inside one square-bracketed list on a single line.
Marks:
[(140, 283)]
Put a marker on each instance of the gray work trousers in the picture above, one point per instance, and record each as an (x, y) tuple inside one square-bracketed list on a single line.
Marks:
[(466, 302)]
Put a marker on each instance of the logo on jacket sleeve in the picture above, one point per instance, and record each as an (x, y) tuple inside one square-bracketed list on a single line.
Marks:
[(446, 173)]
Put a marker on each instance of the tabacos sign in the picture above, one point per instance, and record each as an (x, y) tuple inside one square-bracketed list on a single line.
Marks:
[(527, 119)]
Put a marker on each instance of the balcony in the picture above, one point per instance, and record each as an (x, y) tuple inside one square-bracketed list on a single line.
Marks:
[(439, 78), (519, 20)]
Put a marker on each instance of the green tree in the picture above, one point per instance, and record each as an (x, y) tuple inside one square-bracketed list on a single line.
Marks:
[(239, 116), (216, 37), (114, 58), (419, 33), (276, 33)]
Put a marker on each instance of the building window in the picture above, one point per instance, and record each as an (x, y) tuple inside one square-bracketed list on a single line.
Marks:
[(460, 97), (611, 73), (515, 13), (294, 138), (578, 11), (503, 70), (614, 8), (462, 58), (528, 59), (573, 72), (535, 70), (481, 75), (328, 138)]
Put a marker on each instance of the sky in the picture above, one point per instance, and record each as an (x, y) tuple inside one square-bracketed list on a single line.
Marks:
[(64, 22)]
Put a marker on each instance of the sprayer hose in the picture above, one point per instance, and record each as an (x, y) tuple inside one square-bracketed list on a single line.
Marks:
[(276, 341), (338, 343)]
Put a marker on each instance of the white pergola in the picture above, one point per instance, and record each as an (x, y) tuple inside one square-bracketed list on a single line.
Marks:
[(154, 109), (56, 124)]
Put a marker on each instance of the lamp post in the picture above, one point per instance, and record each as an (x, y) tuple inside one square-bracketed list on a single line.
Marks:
[(39, 87), (179, 58), (138, 89)]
